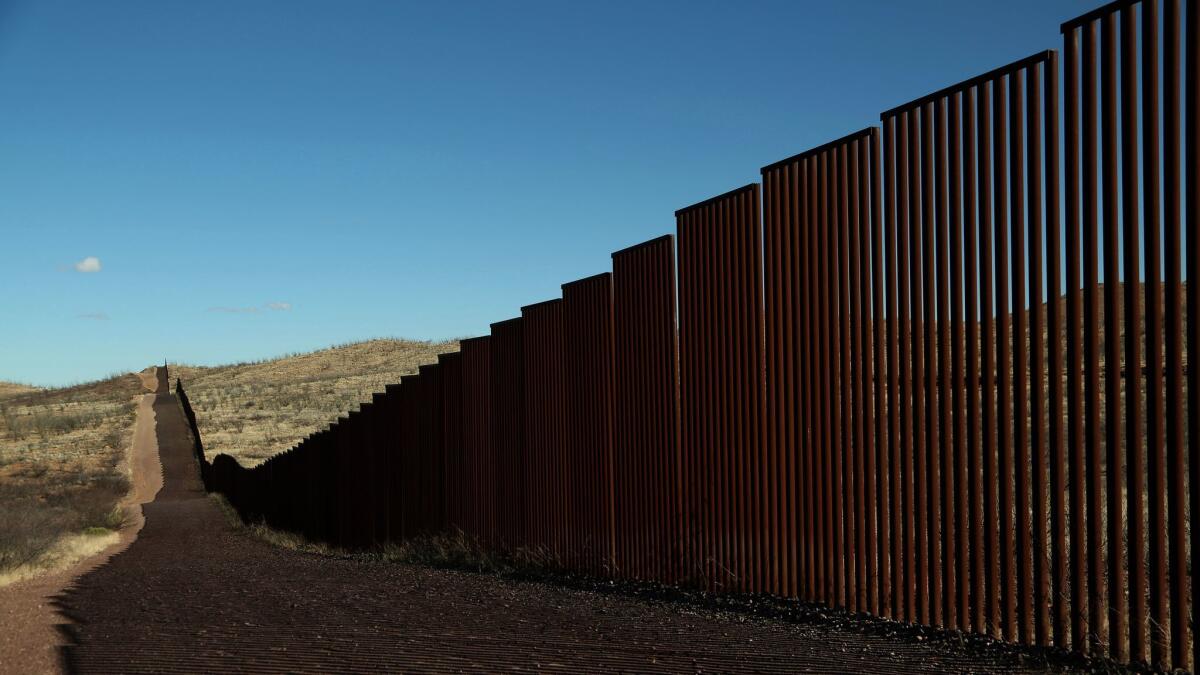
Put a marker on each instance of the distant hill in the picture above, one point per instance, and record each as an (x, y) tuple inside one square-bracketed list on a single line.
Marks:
[(10, 389), (254, 410)]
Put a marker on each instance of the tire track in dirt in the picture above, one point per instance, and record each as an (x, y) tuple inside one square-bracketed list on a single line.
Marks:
[(193, 594)]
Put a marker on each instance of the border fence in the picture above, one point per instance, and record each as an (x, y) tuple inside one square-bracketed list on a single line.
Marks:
[(935, 371)]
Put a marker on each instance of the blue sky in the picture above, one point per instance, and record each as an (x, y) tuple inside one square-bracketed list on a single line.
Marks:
[(261, 177)]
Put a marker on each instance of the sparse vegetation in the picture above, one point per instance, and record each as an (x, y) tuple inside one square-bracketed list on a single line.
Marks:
[(452, 550), (253, 410), (62, 470)]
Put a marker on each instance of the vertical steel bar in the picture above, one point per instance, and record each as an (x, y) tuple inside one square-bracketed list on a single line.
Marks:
[(797, 512), (800, 528), (779, 270), (731, 530), (1159, 637), (815, 551), (844, 496), (1114, 464), (1004, 350), (725, 395), (1177, 495), (748, 351), (1091, 246), (765, 469), (697, 495), (868, 319), (906, 472), (1192, 190), (930, 330), (893, 591), (772, 251), (719, 510), (788, 509), (1054, 321), (721, 238), (800, 498), (816, 357), (920, 397), (945, 387), (795, 508), (877, 538), (1133, 337), (855, 474), (1037, 339), (987, 230), (1020, 357), (819, 252), (977, 590)]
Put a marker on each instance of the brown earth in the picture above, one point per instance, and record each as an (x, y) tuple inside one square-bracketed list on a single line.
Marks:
[(29, 641), (195, 594)]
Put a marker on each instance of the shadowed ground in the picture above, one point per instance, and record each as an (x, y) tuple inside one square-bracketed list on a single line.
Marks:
[(193, 594)]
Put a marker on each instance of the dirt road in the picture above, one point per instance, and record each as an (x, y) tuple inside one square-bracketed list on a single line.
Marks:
[(30, 641), (193, 594)]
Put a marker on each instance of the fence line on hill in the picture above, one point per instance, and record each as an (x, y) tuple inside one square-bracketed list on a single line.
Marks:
[(876, 380)]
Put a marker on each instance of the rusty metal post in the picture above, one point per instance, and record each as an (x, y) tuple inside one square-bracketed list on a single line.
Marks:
[(478, 448), (718, 259), (1058, 551), (646, 416), (588, 339), (545, 409), (1114, 459), (1023, 554), (508, 430), (1175, 454)]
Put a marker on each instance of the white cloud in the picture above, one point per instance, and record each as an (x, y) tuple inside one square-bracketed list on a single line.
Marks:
[(88, 264), (279, 306), (94, 316)]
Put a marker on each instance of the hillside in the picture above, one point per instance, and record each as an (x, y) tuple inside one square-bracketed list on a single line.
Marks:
[(62, 470), (11, 389), (254, 410)]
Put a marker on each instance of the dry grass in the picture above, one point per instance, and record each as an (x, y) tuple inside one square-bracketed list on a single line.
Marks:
[(63, 469), (11, 389), (63, 452), (453, 550), (254, 410)]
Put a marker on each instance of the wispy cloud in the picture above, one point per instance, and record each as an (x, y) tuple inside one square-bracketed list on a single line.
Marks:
[(268, 307), (94, 316), (88, 265)]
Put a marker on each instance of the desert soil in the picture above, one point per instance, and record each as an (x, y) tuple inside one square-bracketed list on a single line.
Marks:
[(192, 593), (31, 639)]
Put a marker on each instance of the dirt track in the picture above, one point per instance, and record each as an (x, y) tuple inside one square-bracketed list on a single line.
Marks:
[(192, 594), (29, 639)]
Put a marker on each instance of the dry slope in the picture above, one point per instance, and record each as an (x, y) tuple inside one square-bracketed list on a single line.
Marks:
[(254, 410), (62, 470)]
